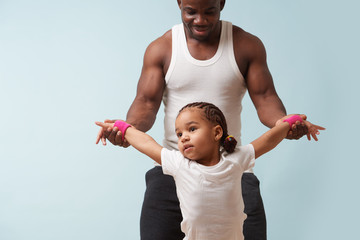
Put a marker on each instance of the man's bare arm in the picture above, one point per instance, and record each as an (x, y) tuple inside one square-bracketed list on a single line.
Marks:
[(142, 112), (261, 87)]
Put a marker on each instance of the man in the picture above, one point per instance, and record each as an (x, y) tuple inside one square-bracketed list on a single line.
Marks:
[(202, 59)]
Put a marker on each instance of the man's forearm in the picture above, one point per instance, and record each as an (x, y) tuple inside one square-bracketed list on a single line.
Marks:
[(271, 110), (142, 115)]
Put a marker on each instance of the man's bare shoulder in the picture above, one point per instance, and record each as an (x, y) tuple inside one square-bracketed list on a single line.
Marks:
[(161, 44), (244, 38), (248, 49), (160, 49)]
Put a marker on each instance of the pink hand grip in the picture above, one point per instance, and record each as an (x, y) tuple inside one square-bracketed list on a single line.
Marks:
[(122, 126), (293, 119)]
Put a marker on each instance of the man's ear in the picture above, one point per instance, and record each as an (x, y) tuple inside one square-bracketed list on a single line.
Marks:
[(222, 4), (179, 3), (218, 132)]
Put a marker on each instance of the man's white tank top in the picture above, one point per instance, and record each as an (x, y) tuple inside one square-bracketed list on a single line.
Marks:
[(217, 80)]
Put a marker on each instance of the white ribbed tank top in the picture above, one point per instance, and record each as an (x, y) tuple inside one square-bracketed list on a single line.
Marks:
[(217, 80)]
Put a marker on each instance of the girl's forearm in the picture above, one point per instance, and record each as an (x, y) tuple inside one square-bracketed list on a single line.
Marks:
[(144, 143), (270, 139), (277, 134)]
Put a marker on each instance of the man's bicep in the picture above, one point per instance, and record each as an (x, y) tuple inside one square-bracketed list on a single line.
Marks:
[(150, 87), (262, 90), (258, 78), (260, 85), (145, 106), (152, 79)]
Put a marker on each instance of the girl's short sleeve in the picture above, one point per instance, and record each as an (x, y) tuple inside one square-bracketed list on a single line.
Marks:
[(171, 161), (247, 159)]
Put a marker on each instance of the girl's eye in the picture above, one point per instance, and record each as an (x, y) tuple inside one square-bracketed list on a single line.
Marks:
[(192, 129), (179, 135)]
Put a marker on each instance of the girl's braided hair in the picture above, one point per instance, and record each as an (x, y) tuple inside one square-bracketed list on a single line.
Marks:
[(215, 116)]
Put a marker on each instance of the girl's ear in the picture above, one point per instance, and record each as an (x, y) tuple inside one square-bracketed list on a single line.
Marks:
[(218, 132)]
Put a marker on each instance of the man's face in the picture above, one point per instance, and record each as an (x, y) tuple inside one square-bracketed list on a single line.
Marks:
[(201, 18)]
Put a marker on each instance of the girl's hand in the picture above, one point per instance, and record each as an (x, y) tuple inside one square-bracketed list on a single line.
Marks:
[(105, 125), (313, 130), (104, 132), (108, 131), (299, 129)]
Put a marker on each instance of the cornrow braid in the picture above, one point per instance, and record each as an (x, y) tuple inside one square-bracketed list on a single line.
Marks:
[(215, 116)]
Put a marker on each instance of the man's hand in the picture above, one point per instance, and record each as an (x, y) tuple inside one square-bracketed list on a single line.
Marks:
[(299, 129), (110, 133)]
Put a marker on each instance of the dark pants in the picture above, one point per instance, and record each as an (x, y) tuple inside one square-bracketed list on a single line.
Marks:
[(161, 216)]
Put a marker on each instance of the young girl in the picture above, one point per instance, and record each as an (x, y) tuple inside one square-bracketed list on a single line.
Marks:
[(208, 167)]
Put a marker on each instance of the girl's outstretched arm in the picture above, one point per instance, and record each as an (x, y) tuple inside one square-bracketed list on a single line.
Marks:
[(139, 140), (274, 136)]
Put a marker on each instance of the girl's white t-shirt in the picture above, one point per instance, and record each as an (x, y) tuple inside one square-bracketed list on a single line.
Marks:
[(210, 197)]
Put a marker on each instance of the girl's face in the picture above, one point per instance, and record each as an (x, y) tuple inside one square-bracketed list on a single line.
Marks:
[(198, 138)]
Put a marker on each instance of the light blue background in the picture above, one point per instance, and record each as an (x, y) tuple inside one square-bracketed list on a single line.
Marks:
[(65, 64)]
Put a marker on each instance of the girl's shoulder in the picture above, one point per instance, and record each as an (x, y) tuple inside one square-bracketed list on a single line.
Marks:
[(240, 153)]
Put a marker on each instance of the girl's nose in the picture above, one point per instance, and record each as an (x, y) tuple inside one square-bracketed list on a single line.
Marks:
[(185, 138)]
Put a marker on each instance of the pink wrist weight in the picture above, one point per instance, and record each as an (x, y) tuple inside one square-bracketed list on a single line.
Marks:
[(293, 119), (122, 126)]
